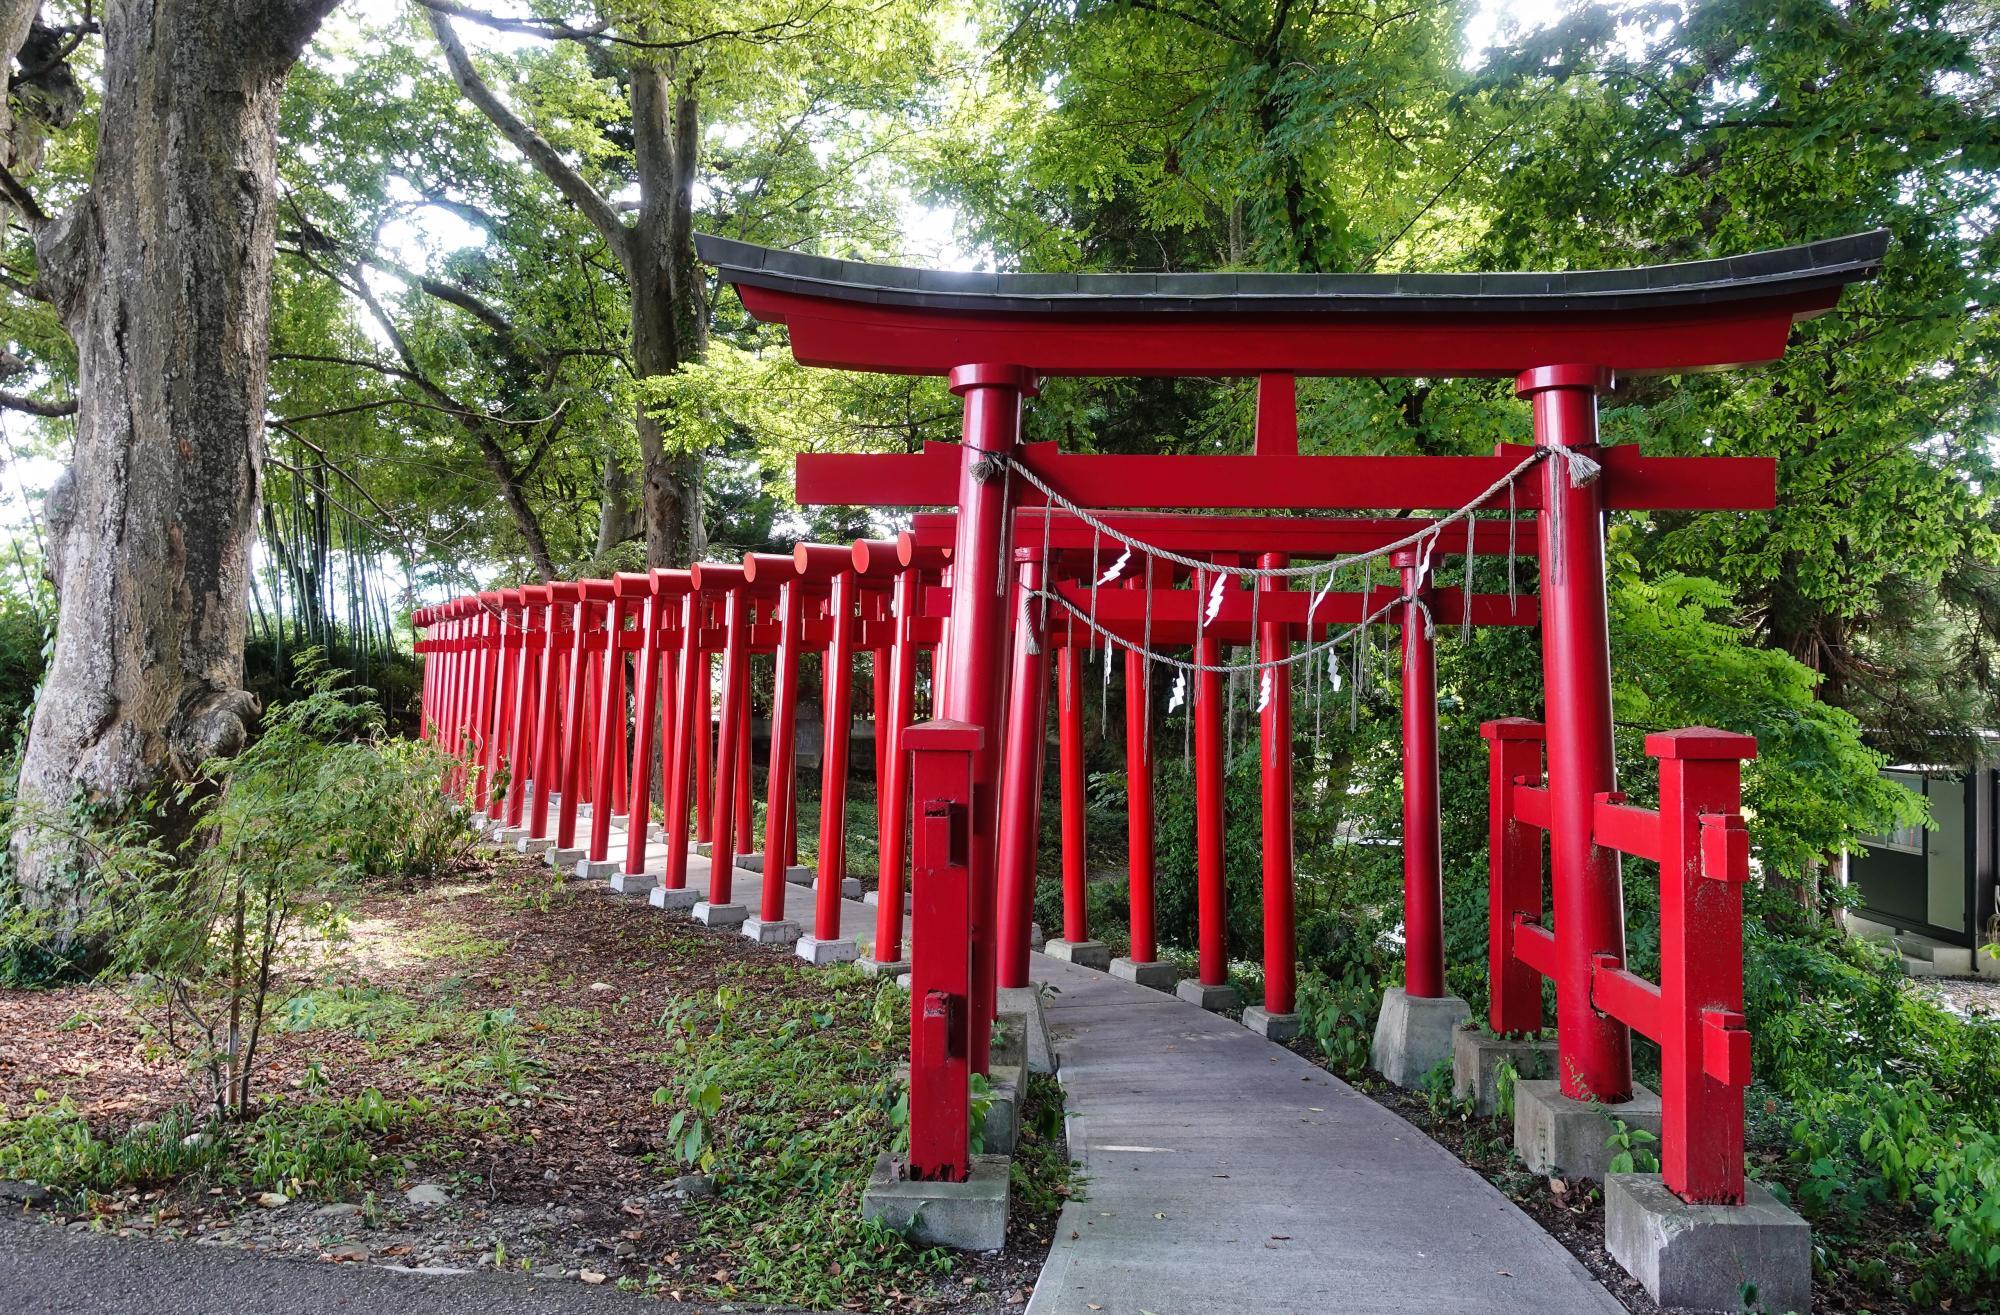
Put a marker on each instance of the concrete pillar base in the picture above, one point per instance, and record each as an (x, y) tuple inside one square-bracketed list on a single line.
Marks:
[(778, 931), (1217, 999), (1025, 1004), (1272, 1027), (1708, 1257), (535, 844), (1153, 975), (720, 915), (1476, 1056), (871, 898), (1563, 1138), (511, 835), (819, 953), (1413, 1035), (1084, 954), (850, 888), (674, 901), (633, 883), (967, 1216), (566, 859), (890, 968), (598, 869), (1003, 1110)]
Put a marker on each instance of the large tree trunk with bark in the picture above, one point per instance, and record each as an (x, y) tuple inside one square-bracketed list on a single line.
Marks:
[(162, 274)]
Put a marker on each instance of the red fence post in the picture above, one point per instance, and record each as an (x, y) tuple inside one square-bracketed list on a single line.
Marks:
[(1514, 888), (778, 779), (1139, 868), (527, 687), (943, 1020), (611, 715), (557, 635), (1704, 1047), (1274, 683), (1595, 1060), (728, 743), (890, 854), (1211, 898), (690, 726), (654, 718), (1423, 864), (1021, 776), (836, 735), (1069, 749)]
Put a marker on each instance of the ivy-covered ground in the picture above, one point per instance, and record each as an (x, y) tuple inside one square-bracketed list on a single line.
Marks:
[(585, 1088)]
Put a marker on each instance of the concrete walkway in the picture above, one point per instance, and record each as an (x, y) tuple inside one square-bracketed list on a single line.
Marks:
[(1226, 1176)]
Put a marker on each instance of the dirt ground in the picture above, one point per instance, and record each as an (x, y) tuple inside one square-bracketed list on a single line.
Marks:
[(527, 1014)]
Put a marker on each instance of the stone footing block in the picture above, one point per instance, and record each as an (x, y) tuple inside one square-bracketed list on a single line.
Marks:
[(598, 869), (720, 915), (1708, 1257), (1153, 975), (633, 883), (1413, 1035), (1084, 954), (535, 844), (565, 859), (1026, 1003), (871, 898), (674, 901), (1270, 1026), (967, 1216), (1476, 1056), (1003, 1110), (511, 835), (850, 888), (890, 968), (819, 953), (1217, 999), (1564, 1138), (778, 931)]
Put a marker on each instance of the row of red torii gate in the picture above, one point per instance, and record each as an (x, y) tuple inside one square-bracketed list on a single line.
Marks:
[(587, 699)]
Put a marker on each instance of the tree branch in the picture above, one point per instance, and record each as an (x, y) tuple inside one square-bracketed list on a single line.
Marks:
[(546, 159), (35, 406)]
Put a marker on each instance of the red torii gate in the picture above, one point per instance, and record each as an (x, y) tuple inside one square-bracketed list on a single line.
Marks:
[(1562, 338)]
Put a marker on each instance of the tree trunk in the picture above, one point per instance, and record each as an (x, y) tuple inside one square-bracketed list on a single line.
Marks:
[(162, 275)]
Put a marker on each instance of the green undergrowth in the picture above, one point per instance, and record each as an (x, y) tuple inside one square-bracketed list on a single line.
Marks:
[(302, 1146)]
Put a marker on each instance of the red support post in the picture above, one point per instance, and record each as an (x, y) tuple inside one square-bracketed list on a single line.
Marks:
[(610, 717), (1595, 1050), (977, 636), (1021, 776), (1275, 735), (1075, 847), (574, 713), (1514, 887), (521, 747), (558, 633), (704, 743), (483, 698), (1139, 792), (1704, 1048), (650, 711), (895, 788), (944, 1023), (729, 739), (1211, 899), (1423, 861), (837, 703), (778, 779), (746, 808), (506, 677), (690, 728)]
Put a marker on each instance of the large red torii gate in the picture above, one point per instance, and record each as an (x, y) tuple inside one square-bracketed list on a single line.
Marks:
[(1563, 338)]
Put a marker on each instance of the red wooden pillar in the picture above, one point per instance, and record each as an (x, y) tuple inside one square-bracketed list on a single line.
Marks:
[(1139, 794), (1210, 894), (895, 787), (945, 1024), (575, 714), (1704, 1049), (704, 740), (557, 631), (837, 703), (1514, 884), (977, 637), (746, 809), (484, 697), (1595, 1050), (729, 740), (628, 589), (655, 715), (1274, 644), (1423, 864), (1021, 775), (1075, 836), (779, 783), (527, 688), (504, 770), (690, 728)]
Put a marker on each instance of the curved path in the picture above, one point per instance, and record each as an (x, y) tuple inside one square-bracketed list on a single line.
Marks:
[(1227, 1176)]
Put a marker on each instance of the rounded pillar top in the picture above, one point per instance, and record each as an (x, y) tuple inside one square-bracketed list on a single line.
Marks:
[(716, 575), (967, 377), (1588, 378), (632, 584), (1403, 558), (822, 561), (765, 568)]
